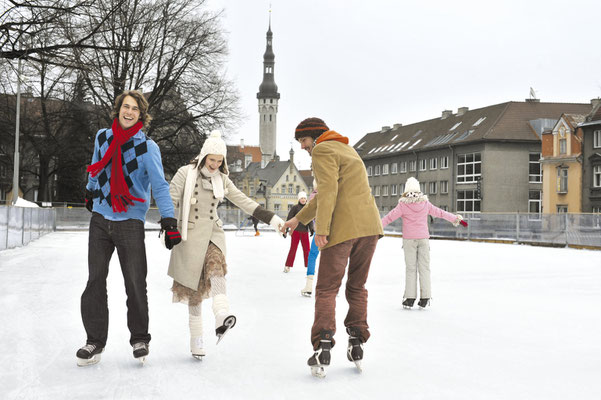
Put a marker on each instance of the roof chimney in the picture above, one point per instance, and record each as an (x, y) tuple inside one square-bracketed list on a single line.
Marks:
[(241, 143), (396, 126), (385, 128), (446, 114), (532, 100), (595, 102), (461, 111)]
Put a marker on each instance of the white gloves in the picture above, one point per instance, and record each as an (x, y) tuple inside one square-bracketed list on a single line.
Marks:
[(458, 219), (276, 223)]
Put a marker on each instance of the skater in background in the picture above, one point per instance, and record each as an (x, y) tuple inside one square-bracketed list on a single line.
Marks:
[(125, 166), (347, 229), (255, 222), (198, 266), (313, 253), (300, 233), (415, 209)]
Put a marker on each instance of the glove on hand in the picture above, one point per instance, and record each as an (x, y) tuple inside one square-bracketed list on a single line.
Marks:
[(277, 223), (89, 199), (172, 236), (459, 220)]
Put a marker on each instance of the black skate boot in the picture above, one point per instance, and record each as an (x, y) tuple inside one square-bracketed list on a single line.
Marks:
[(423, 303), (89, 355), (141, 351), (321, 358), (354, 351), (408, 303), (225, 324)]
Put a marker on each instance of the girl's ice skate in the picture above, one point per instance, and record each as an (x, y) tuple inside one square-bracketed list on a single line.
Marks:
[(89, 355)]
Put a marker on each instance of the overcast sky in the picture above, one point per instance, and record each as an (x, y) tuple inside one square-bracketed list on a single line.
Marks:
[(360, 65)]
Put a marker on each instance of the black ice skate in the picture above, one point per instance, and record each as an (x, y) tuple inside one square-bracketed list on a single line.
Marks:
[(423, 303), (141, 351), (408, 303), (321, 358), (89, 355), (228, 323), (354, 351)]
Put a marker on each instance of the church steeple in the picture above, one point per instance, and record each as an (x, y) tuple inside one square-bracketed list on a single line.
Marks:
[(268, 97)]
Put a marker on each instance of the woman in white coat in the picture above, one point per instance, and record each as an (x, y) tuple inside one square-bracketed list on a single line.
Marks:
[(197, 265)]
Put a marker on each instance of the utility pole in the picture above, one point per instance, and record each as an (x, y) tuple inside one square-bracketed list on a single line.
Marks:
[(17, 121)]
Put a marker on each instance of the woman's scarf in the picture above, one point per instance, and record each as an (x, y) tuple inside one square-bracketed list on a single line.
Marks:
[(121, 198), (216, 181)]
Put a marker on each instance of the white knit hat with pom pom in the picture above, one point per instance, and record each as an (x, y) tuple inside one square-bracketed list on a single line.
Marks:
[(214, 145)]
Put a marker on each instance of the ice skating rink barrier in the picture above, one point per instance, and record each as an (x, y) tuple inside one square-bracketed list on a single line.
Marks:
[(21, 225), (18, 226)]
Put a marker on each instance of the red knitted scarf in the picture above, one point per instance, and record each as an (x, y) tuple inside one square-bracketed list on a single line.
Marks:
[(120, 197)]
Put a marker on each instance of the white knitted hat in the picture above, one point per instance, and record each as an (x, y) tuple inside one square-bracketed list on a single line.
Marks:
[(214, 145), (302, 195), (412, 185)]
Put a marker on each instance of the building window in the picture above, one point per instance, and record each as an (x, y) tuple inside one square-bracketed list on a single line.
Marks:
[(422, 187), (597, 139), (562, 209), (290, 189), (534, 171), (562, 180), (433, 163), (294, 178), (422, 165), (385, 169), (377, 191), (562, 146), (287, 177), (401, 188), (596, 210), (597, 176), (276, 208), (384, 190), (444, 162), (2, 171), (412, 166), (444, 208), (369, 170), (444, 187), (377, 170), (394, 168), (403, 167), (393, 190), (432, 187), (297, 189), (534, 201), (467, 201), (469, 167), (283, 189)]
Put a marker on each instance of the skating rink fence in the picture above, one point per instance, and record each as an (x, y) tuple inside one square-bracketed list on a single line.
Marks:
[(19, 226)]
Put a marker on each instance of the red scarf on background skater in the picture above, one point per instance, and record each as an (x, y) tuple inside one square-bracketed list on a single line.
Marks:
[(120, 196)]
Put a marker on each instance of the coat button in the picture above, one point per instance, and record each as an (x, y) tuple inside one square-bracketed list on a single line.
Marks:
[(195, 192), (214, 197), (212, 204), (196, 209), (210, 217), (196, 185), (196, 217), (211, 211)]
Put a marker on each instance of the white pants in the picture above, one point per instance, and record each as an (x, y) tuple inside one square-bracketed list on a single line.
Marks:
[(417, 259)]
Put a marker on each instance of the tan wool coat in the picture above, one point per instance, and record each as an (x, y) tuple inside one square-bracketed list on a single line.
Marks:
[(343, 207), (204, 225)]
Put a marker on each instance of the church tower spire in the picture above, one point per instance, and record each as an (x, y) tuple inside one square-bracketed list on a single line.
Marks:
[(268, 97)]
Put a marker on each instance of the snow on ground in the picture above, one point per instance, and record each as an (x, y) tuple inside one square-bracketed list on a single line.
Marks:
[(506, 322)]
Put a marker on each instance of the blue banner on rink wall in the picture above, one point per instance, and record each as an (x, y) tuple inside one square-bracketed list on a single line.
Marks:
[(21, 225)]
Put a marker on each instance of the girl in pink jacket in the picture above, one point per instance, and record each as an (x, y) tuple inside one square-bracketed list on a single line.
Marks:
[(414, 208)]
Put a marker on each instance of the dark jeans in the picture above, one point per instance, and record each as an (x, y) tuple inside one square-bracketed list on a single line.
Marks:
[(128, 237)]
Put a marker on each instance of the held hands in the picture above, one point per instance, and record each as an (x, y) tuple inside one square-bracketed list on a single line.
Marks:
[(291, 224), (89, 198), (277, 223), (172, 236)]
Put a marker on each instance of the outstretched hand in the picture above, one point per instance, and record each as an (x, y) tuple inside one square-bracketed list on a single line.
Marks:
[(291, 224), (321, 240)]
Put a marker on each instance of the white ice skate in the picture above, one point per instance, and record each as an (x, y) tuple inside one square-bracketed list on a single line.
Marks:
[(197, 348)]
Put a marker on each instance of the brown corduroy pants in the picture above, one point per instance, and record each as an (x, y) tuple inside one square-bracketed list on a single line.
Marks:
[(332, 265)]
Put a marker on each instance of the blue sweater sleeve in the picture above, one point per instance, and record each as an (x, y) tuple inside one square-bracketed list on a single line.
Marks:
[(92, 180), (160, 187)]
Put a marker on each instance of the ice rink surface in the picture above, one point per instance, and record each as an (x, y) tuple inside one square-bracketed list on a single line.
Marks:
[(506, 322)]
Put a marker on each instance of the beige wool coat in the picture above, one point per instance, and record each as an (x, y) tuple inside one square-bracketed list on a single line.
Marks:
[(204, 225), (343, 207)]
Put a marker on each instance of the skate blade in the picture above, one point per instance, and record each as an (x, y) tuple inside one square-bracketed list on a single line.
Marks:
[(407, 307), (142, 360), (198, 356), (318, 372), (229, 324), (358, 365), (306, 294), (84, 362)]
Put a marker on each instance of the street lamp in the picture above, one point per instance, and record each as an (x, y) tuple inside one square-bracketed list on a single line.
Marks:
[(17, 121)]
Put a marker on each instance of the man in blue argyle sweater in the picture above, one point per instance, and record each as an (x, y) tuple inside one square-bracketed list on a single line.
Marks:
[(125, 166)]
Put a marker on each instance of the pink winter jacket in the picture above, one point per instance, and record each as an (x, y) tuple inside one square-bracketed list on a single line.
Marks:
[(415, 217)]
